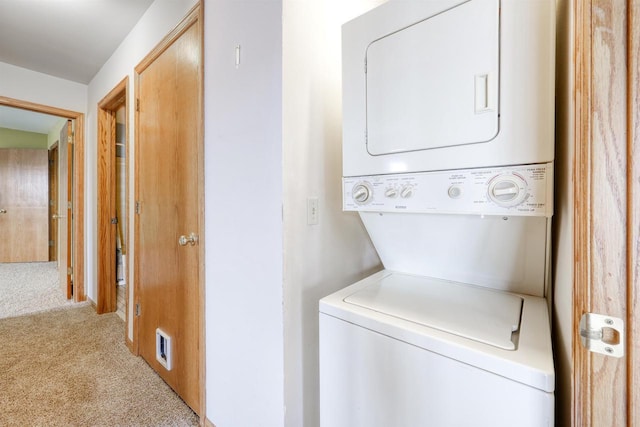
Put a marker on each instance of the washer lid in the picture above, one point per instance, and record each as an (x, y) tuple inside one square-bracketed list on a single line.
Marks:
[(469, 311)]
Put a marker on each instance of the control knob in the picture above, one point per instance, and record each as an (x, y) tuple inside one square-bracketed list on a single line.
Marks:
[(391, 193), (406, 192), (361, 193), (507, 190)]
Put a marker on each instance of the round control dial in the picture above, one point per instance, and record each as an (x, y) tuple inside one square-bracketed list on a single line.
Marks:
[(362, 193), (507, 190), (391, 193), (406, 191)]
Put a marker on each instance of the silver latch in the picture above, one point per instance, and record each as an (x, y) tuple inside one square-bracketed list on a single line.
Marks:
[(602, 334)]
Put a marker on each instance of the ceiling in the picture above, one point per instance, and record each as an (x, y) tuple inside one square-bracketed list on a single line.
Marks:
[(70, 39)]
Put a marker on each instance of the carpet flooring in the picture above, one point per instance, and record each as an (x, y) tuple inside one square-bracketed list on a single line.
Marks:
[(29, 287), (70, 367)]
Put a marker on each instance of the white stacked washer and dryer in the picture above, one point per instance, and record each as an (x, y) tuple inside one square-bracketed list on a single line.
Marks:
[(448, 148)]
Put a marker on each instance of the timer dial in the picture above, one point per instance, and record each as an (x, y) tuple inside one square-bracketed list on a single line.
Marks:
[(507, 190), (362, 193)]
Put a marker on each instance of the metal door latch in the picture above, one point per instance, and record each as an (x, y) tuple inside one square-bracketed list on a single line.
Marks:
[(602, 334)]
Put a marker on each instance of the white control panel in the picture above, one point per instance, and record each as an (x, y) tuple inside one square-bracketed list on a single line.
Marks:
[(518, 190)]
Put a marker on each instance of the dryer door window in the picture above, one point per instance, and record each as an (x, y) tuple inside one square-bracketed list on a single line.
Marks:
[(435, 83)]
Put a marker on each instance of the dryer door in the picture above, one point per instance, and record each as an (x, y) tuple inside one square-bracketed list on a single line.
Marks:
[(435, 83)]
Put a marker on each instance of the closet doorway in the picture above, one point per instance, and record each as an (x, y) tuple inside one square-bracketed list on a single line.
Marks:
[(113, 252)]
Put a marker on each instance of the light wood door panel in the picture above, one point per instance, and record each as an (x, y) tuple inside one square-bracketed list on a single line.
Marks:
[(170, 195), (106, 212), (53, 203), (24, 223), (64, 216), (606, 188), (69, 210)]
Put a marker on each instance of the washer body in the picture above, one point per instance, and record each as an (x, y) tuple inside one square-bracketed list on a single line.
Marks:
[(384, 363)]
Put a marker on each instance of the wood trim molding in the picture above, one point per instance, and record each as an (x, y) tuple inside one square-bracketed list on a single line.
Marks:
[(79, 293), (192, 16), (39, 108), (606, 207), (199, 12), (581, 213), (129, 344), (116, 96), (633, 213)]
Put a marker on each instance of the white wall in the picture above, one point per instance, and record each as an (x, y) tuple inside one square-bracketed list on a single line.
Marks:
[(243, 213), (161, 17), (26, 85), (563, 218), (266, 268), (319, 259)]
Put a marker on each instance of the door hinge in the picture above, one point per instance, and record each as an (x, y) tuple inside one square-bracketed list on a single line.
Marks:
[(69, 139), (69, 271), (138, 309), (114, 220), (137, 207), (69, 205), (51, 243), (138, 104), (602, 334)]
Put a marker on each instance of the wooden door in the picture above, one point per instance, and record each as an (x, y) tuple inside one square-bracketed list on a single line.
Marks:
[(69, 219), (606, 390), (169, 205), (107, 297), (24, 210), (53, 203), (64, 216)]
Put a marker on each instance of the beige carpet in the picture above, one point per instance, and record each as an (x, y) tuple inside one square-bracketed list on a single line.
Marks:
[(29, 287), (70, 367)]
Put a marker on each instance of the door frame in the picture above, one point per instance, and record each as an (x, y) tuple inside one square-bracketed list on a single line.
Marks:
[(195, 15), (79, 293), (607, 89), (107, 107)]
